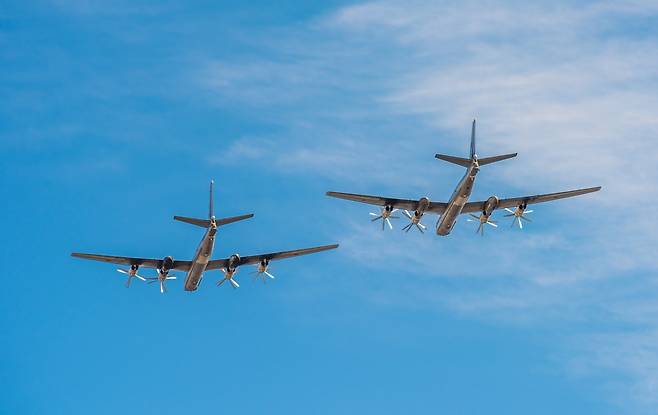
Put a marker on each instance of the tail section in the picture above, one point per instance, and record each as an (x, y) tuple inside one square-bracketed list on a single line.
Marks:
[(211, 209), (454, 160), (473, 155), (203, 223), (206, 223), (489, 160), (226, 221)]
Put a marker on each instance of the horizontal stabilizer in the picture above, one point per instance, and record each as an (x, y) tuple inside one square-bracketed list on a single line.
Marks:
[(205, 223), (489, 160), (226, 221), (454, 160)]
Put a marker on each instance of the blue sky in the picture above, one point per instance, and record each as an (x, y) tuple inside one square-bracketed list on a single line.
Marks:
[(114, 117)]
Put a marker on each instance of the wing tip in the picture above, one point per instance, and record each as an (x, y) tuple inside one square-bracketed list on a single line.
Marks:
[(324, 247), (591, 189)]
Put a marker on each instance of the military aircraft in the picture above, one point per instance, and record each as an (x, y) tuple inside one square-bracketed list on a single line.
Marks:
[(458, 203), (201, 261)]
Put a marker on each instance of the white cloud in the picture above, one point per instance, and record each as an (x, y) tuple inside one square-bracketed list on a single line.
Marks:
[(570, 86)]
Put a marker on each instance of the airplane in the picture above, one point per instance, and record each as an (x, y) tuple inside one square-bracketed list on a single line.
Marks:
[(458, 203), (201, 261)]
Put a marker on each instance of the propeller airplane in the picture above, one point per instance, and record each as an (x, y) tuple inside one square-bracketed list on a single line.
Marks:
[(458, 203), (201, 262)]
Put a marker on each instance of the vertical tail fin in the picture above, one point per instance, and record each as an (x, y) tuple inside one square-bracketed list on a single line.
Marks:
[(211, 221), (211, 210), (473, 154)]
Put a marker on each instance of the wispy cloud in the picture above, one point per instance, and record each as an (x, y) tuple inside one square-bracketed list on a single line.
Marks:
[(572, 87)]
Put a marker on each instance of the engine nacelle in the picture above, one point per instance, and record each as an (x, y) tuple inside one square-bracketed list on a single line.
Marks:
[(167, 264), (490, 205), (233, 262), (423, 204), (262, 266)]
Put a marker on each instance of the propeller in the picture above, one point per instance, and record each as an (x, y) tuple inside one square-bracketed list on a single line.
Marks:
[(385, 216), (415, 221), (161, 278), (519, 215), (482, 219), (262, 272), (132, 272), (228, 276)]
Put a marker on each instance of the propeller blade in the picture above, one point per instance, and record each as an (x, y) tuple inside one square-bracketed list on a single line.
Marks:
[(376, 219), (492, 224), (269, 275), (520, 223), (123, 271), (418, 225), (234, 283), (509, 210), (128, 282), (162, 287), (170, 278), (220, 282), (389, 223), (407, 214), (527, 211)]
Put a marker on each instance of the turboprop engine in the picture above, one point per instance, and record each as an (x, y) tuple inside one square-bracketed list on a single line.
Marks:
[(230, 270), (163, 273), (262, 270), (385, 215), (131, 273), (519, 214), (423, 204), (489, 206)]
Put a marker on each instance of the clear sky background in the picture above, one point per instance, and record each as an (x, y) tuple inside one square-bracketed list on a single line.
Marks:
[(115, 115)]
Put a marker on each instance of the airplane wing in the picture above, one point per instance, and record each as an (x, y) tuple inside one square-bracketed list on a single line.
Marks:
[(434, 207), (142, 262), (254, 259), (473, 207)]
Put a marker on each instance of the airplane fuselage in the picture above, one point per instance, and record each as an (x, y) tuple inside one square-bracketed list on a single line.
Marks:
[(200, 260), (457, 201)]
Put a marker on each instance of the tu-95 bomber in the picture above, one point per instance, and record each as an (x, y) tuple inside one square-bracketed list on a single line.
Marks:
[(202, 261), (458, 203)]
